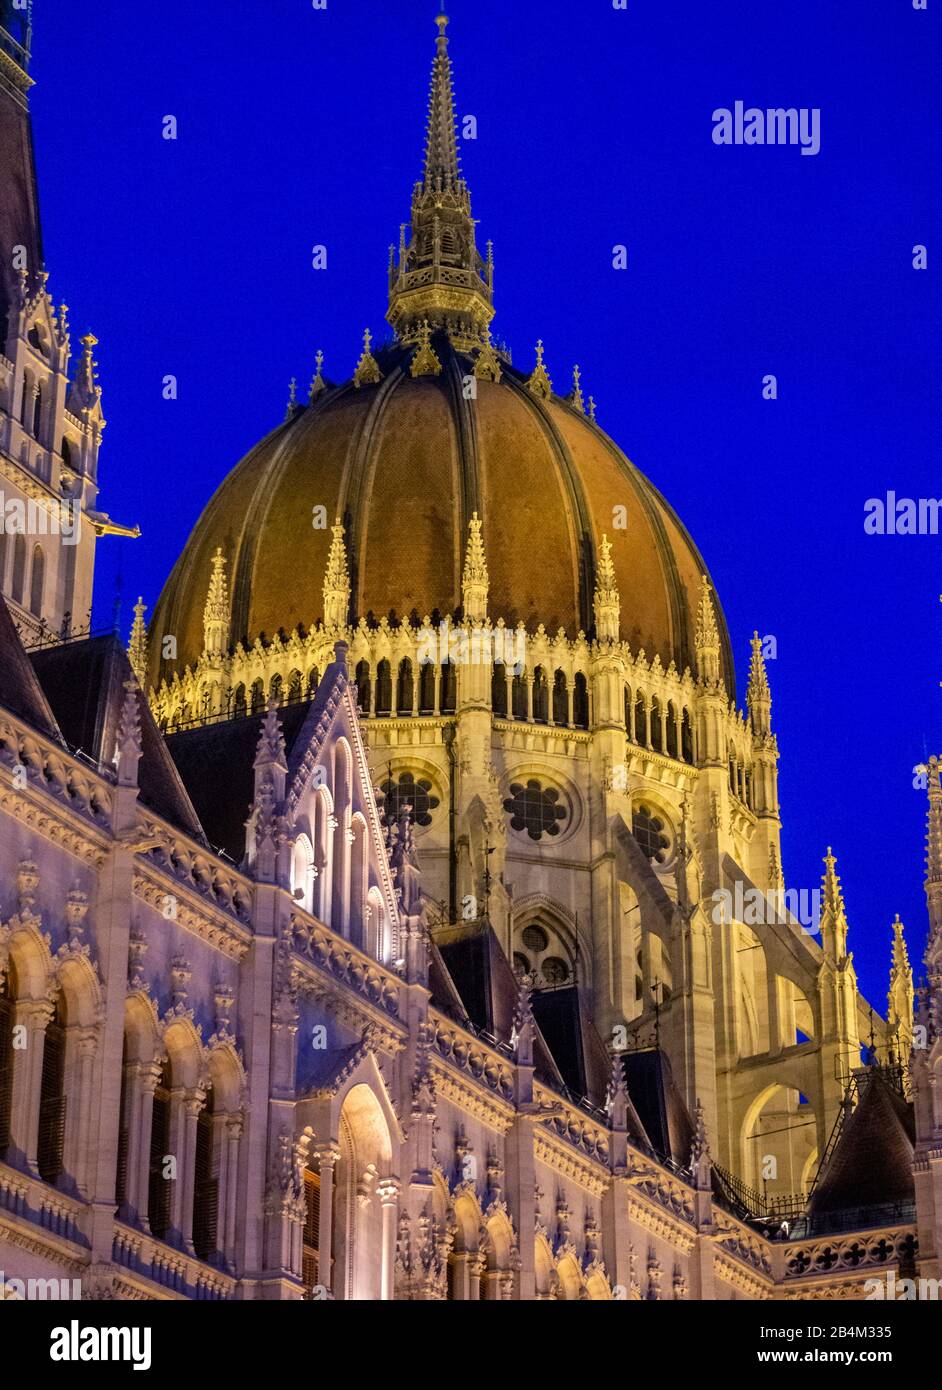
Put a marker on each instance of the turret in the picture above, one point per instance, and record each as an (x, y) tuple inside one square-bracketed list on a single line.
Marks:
[(899, 1016), (336, 582)]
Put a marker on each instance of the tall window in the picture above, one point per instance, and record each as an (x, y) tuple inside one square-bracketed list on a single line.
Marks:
[(206, 1184), (540, 696), (383, 689), (427, 687), (52, 1098), (580, 703), (37, 582), (19, 567), (121, 1176), (499, 690), (560, 699), (363, 686), (448, 688), (6, 1059), (310, 1250), (404, 687), (158, 1193)]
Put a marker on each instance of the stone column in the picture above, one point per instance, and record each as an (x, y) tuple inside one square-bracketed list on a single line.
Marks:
[(86, 1046), (33, 1015), (387, 1192), (328, 1156), (229, 1162), (147, 1076), (193, 1102)]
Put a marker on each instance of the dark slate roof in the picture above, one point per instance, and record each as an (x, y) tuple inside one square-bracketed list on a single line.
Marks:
[(216, 761), (83, 682), (659, 1104), (565, 1023), (20, 691), (19, 205), (871, 1164)]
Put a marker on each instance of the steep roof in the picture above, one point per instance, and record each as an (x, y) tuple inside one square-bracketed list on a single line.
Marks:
[(83, 683), (872, 1162), (20, 690)]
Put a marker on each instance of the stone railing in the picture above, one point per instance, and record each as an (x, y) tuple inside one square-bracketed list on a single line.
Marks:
[(314, 942), (171, 1269)]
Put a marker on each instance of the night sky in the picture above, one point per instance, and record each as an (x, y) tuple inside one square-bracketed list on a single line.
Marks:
[(300, 126)]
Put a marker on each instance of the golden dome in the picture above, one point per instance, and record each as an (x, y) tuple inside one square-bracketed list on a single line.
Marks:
[(406, 453), (405, 463)]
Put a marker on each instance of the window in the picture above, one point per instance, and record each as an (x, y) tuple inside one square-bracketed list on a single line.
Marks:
[(560, 699), (363, 685), (6, 1061), (310, 1249), (555, 971), (19, 567), (206, 1185), (449, 688), (383, 689), (295, 686), (427, 688), (540, 696), (258, 697), (535, 939), (521, 963), (580, 703), (499, 690), (534, 809), (404, 687), (519, 697), (238, 707), (648, 830), (37, 582), (408, 791), (159, 1189), (52, 1099)]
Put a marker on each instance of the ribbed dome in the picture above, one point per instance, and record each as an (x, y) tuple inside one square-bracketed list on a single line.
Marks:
[(405, 463)]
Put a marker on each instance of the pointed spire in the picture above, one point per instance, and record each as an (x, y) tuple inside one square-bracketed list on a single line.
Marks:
[(592, 409), (318, 385), (934, 855), (758, 695), (292, 407), (607, 601), (616, 1096), (336, 581), (442, 164), (524, 1025), (707, 637), (700, 1162), (538, 381), (440, 275), (129, 746), (270, 750), (833, 915), (137, 646), (217, 612), (367, 369), (424, 361), (901, 996), (84, 398), (475, 581), (576, 400)]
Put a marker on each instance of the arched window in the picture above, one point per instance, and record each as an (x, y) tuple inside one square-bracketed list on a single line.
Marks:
[(383, 689), (52, 1098), (535, 809), (540, 697), (3, 558), (560, 699), (66, 451), (580, 702), (6, 1059), (258, 696), (364, 687), (686, 738), (732, 772), (37, 412), (121, 1171), (671, 731), (276, 690), (295, 686), (24, 411), (313, 681), (37, 581), (205, 1184), (641, 721), (449, 691), (499, 690), (159, 1187), (648, 829), (404, 687), (310, 1246), (238, 702), (19, 567), (427, 687), (519, 697), (657, 725)]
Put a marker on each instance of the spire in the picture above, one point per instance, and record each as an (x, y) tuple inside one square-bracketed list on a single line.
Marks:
[(292, 407), (84, 397), (129, 746), (216, 613), (758, 695), (607, 601), (901, 996), (424, 361), (336, 581), (577, 400), (474, 582), (487, 364), (934, 857), (707, 637), (137, 646), (440, 275), (833, 915)]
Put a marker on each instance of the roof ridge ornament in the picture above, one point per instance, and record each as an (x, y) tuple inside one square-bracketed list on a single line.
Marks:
[(137, 644), (318, 385), (424, 361), (576, 400), (487, 363), (367, 370), (538, 381)]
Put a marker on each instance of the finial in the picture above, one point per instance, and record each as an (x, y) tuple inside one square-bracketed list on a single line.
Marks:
[(424, 361), (217, 612), (336, 581), (367, 369), (592, 409), (318, 384), (707, 638), (539, 382), (487, 364), (576, 400), (137, 646), (292, 409)]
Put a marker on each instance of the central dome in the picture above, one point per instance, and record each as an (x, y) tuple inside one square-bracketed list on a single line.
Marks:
[(432, 429)]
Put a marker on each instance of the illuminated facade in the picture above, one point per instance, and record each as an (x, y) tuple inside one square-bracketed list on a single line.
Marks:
[(421, 934)]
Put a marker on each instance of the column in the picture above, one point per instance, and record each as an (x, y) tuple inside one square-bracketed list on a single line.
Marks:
[(193, 1103), (229, 1162), (388, 1193), (147, 1076), (77, 1147), (570, 690), (328, 1155), (528, 686), (33, 1015)]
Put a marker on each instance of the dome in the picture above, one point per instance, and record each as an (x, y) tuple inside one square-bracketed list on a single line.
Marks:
[(404, 463), (405, 454)]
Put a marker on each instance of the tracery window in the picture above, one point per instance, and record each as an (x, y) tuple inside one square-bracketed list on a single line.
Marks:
[(648, 830), (408, 790), (535, 809)]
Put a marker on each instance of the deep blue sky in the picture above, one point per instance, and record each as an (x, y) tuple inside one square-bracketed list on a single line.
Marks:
[(300, 126)]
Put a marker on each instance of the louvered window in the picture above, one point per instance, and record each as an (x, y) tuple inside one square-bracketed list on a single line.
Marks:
[(312, 1226), (159, 1188), (52, 1100), (6, 1065), (206, 1186)]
